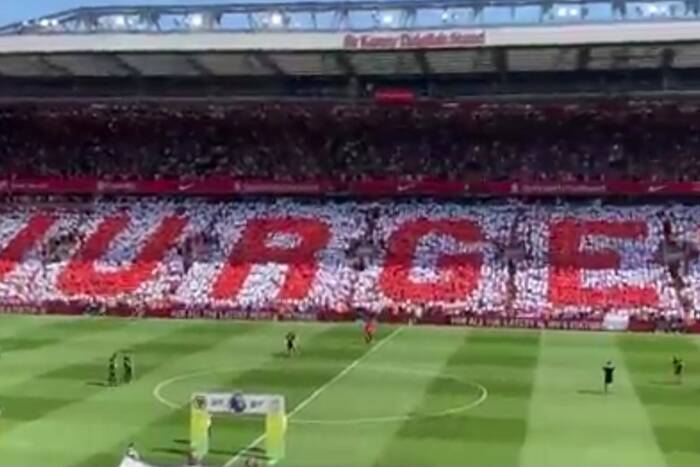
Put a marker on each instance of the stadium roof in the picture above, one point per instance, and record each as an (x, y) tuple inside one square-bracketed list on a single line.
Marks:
[(324, 16), (355, 42)]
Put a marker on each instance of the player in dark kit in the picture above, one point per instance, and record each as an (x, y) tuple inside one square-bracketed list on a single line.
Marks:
[(112, 371), (291, 339), (678, 369), (608, 371), (128, 369)]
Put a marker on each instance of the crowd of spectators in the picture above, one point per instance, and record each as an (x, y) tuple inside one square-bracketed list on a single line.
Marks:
[(422, 257), (628, 140), (380, 256)]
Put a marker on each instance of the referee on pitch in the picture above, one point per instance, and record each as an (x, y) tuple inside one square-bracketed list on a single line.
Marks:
[(608, 372)]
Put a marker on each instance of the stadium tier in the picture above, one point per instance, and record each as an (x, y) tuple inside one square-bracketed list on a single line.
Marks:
[(190, 258), (586, 142)]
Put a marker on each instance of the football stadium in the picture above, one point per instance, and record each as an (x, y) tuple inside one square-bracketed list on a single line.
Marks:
[(368, 233)]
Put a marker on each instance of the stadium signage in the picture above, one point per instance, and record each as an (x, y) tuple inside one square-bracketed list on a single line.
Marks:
[(225, 313), (420, 40), (29, 185), (488, 319), (528, 323), (253, 187), (230, 186), (238, 403), (545, 188), (22, 309), (549, 35), (107, 186)]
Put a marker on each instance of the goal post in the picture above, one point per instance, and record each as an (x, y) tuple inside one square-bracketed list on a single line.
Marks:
[(275, 429), (271, 406), (200, 423)]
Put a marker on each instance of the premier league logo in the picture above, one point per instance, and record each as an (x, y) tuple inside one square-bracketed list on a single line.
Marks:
[(237, 403)]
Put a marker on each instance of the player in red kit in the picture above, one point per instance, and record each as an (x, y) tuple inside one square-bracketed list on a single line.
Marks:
[(369, 329)]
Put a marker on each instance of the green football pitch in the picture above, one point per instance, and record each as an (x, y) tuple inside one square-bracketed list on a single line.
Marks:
[(417, 396)]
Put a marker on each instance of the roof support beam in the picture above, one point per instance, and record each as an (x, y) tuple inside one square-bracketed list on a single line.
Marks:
[(265, 61), (123, 64), (60, 69), (344, 63), (422, 62), (667, 58), (500, 60), (583, 58), (197, 65)]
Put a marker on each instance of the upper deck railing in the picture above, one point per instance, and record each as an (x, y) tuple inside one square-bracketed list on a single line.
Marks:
[(353, 16)]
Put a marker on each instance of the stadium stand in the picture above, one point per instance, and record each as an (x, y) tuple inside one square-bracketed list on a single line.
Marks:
[(418, 115), (181, 257), (502, 163), (638, 140)]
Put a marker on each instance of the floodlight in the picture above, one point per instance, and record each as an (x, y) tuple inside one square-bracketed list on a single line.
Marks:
[(196, 20), (119, 21), (276, 19)]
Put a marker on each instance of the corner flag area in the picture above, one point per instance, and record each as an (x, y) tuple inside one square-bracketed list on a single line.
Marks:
[(416, 396)]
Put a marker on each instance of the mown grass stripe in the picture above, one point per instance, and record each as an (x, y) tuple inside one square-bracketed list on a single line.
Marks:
[(673, 409), (569, 411), (78, 384), (319, 391), (33, 350), (491, 433), (66, 421), (164, 440), (39, 332), (321, 358)]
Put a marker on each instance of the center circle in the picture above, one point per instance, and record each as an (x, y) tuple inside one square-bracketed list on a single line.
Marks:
[(477, 395)]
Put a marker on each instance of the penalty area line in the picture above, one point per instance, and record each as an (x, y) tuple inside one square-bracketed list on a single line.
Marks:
[(314, 395)]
